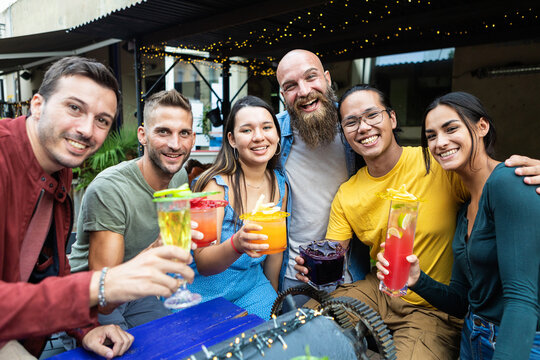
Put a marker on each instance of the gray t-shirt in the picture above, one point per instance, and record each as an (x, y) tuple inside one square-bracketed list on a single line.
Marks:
[(119, 200), (326, 166)]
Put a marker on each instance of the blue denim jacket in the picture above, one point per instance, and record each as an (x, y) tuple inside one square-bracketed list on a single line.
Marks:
[(359, 264)]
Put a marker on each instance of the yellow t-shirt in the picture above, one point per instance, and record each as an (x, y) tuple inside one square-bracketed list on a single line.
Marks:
[(356, 208)]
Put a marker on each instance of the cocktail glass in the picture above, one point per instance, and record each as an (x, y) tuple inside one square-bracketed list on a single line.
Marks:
[(274, 226), (204, 213), (399, 244), (175, 228), (324, 260)]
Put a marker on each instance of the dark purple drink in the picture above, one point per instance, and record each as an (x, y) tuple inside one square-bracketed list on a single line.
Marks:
[(324, 260)]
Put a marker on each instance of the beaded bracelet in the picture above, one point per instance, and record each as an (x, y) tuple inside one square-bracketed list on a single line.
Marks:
[(234, 247), (101, 294)]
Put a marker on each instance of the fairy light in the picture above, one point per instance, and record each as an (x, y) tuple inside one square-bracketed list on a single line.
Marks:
[(263, 340), (309, 23)]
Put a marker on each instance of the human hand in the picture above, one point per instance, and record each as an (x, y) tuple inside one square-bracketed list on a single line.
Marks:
[(302, 270), (157, 243), (243, 240), (195, 234), (97, 339), (146, 274), (414, 270), (527, 167)]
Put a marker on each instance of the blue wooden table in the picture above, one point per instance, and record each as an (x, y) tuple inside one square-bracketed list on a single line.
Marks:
[(179, 335)]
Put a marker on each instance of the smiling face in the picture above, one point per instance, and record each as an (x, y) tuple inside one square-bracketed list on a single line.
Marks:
[(448, 138), (372, 142), (72, 123), (168, 138), (302, 80), (255, 135), (308, 96)]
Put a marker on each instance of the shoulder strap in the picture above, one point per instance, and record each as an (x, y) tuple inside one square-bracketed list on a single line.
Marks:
[(36, 234), (220, 181)]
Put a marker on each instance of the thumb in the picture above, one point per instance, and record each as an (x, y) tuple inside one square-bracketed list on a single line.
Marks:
[(104, 351), (412, 259), (101, 349)]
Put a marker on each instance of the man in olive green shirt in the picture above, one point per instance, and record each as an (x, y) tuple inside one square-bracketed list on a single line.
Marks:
[(118, 219)]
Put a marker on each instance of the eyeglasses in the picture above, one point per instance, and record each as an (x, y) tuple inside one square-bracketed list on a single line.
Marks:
[(352, 123)]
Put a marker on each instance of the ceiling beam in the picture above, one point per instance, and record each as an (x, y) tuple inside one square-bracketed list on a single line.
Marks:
[(84, 49), (50, 56), (239, 16)]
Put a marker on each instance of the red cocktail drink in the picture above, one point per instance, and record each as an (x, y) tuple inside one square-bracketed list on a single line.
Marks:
[(204, 213), (399, 243), (396, 251)]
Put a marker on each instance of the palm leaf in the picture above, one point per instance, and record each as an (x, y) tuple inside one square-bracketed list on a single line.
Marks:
[(117, 147)]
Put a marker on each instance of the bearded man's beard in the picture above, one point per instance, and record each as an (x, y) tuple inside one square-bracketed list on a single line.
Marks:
[(318, 127)]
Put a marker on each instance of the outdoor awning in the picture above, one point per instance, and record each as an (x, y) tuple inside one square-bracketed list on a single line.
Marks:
[(415, 57), (335, 29), (25, 52)]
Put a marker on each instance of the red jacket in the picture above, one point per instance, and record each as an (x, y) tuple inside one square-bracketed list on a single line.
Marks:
[(30, 312)]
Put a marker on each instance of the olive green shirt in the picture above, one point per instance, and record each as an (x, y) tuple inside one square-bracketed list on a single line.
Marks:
[(119, 200)]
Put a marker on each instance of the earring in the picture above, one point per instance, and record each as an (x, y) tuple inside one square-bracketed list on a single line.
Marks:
[(279, 146), (235, 153)]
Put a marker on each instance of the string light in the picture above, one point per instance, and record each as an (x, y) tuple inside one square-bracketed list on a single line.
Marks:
[(262, 340), (304, 24), (255, 66)]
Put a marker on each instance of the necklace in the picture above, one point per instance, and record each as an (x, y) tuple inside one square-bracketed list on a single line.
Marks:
[(255, 187)]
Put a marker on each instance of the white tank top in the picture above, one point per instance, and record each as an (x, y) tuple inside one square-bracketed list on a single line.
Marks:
[(314, 176)]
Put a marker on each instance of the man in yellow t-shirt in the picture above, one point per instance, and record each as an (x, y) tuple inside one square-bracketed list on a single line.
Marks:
[(419, 330), (357, 209)]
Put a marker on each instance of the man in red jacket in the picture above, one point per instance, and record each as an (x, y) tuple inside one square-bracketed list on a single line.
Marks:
[(71, 116)]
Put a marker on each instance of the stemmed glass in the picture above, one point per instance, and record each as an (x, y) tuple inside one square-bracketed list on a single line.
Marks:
[(174, 219), (175, 227)]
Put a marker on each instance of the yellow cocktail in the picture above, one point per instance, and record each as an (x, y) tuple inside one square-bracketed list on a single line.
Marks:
[(175, 228), (274, 226)]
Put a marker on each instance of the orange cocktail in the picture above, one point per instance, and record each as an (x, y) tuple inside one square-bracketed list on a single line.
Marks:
[(204, 213), (274, 226)]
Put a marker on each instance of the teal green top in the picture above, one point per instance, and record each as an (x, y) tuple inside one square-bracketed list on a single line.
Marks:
[(496, 272)]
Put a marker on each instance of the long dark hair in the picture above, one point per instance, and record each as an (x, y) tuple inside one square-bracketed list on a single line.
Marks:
[(470, 110), (227, 164), (359, 160)]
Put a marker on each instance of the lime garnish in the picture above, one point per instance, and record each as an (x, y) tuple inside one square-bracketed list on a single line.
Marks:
[(180, 193), (404, 220), (394, 232)]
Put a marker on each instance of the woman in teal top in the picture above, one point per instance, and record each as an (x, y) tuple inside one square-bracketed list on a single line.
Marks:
[(245, 169), (495, 277)]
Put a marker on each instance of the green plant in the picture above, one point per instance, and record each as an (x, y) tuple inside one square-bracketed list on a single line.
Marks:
[(205, 124), (118, 146)]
